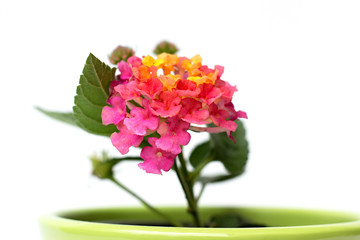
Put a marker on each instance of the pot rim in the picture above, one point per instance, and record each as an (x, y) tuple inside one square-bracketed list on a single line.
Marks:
[(352, 226)]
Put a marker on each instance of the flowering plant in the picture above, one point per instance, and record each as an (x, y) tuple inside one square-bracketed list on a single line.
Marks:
[(152, 104)]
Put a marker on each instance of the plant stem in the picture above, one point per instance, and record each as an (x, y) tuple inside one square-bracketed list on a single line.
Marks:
[(200, 193), (208, 129), (126, 158), (194, 174), (187, 186), (183, 165), (168, 218)]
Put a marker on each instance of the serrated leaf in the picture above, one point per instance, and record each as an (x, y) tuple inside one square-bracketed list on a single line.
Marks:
[(200, 153), (233, 155), (66, 117), (91, 96)]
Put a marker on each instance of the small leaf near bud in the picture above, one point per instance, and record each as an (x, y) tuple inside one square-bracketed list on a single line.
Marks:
[(165, 47), (121, 54)]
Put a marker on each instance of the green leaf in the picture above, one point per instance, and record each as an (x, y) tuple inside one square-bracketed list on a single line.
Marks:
[(233, 155), (92, 94), (66, 117), (218, 178), (200, 153)]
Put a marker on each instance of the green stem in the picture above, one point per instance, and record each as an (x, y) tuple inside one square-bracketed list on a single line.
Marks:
[(183, 165), (187, 186), (168, 218), (126, 158), (200, 193), (194, 174)]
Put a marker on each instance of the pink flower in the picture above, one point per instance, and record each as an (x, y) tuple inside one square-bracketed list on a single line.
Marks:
[(209, 93), (141, 120), (113, 84), (173, 135), (187, 88), (128, 91), (124, 139), (150, 88), (241, 114), (156, 159), (125, 70), (166, 95), (226, 89), (220, 70), (220, 116), (205, 70), (232, 113), (167, 104), (134, 61), (116, 113), (192, 111)]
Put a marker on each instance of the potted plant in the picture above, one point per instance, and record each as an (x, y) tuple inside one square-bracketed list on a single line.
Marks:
[(152, 104)]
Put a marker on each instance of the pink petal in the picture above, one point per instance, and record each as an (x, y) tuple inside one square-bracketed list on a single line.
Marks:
[(192, 111), (187, 88), (209, 93), (226, 89), (219, 117), (128, 91), (242, 114), (151, 87), (167, 104), (134, 61), (173, 135), (125, 70), (116, 113), (220, 70), (124, 139), (141, 120), (156, 159)]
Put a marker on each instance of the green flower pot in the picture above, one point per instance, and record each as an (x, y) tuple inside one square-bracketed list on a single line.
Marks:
[(135, 223)]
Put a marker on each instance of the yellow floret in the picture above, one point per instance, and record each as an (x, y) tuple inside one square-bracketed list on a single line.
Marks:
[(148, 61), (169, 81), (196, 59)]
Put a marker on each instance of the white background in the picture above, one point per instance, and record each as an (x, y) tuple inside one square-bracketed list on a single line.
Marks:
[(296, 65)]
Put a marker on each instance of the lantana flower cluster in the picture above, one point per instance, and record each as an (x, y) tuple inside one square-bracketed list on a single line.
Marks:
[(164, 98)]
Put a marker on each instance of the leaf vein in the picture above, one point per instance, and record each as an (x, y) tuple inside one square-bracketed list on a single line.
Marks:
[(88, 99), (97, 76)]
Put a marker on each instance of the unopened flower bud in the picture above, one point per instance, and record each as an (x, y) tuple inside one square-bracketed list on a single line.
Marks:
[(102, 166), (121, 53), (165, 47)]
